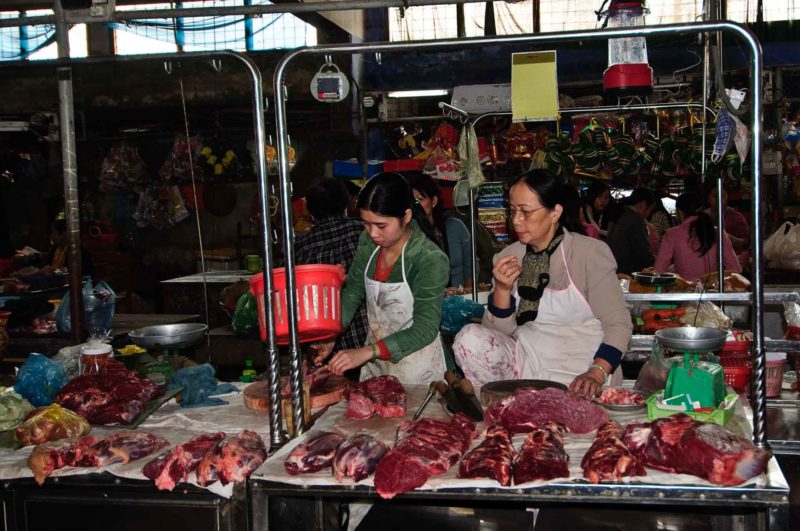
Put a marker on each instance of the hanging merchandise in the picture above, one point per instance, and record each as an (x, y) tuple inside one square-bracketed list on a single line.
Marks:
[(442, 165), (470, 156), (492, 209), (272, 157), (123, 170), (725, 134), (178, 168), (160, 207), (741, 139), (628, 72)]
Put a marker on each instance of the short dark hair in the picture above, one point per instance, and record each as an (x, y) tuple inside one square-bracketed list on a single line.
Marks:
[(551, 191), (640, 194), (327, 199)]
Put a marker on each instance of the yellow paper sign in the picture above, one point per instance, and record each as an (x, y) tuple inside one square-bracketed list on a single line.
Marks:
[(534, 87)]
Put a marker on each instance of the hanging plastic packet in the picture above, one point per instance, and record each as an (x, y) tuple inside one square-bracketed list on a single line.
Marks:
[(725, 134)]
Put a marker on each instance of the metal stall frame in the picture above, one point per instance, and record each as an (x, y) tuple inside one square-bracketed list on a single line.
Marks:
[(752, 45), (271, 347)]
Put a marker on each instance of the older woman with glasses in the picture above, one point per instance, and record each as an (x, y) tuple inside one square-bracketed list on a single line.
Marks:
[(556, 311)]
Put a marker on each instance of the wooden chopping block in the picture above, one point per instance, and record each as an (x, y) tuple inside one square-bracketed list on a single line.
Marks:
[(256, 395)]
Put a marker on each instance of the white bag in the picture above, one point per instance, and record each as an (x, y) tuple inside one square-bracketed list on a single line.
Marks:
[(782, 248)]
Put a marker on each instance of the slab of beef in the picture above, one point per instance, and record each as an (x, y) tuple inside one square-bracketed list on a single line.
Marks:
[(684, 445), (315, 376), (609, 459), (357, 457), (123, 447), (528, 408), (115, 395), (542, 456), (50, 456), (424, 448), (233, 459), (492, 458), (384, 395), (313, 454), (175, 465), (50, 423)]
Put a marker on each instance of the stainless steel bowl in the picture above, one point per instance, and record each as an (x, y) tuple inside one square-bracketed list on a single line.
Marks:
[(169, 336), (655, 279), (691, 338)]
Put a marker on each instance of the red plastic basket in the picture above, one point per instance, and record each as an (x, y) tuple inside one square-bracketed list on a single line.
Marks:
[(737, 370), (319, 303)]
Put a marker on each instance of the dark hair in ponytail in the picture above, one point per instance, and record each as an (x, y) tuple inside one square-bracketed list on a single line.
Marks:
[(702, 229), (389, 194), (552, 191)]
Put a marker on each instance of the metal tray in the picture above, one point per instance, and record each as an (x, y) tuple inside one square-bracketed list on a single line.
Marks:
[(654, 279), (691, 338), (169, 336)]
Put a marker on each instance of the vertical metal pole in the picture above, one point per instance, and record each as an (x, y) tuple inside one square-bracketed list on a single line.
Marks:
[(249, 42), (273, 368), (70, 170), (473, 244), (295, 375)]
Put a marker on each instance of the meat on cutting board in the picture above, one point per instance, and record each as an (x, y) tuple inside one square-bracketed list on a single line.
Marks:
[(542, 456), (382, 395), (424, 448), (313, 454), (113, 396), (232, 459), (528, 408), (609, 459), (50, 423), (357, 457), (683, 445), (175, 465), (492, 458), (50, 456)]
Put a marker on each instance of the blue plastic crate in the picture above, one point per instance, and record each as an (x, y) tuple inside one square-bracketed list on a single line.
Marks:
[(352, 168)]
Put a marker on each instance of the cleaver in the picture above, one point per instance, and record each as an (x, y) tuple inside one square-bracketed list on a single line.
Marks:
[(460, 396)]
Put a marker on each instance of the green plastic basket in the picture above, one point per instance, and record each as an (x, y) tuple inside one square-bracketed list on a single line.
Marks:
[(720, 416)]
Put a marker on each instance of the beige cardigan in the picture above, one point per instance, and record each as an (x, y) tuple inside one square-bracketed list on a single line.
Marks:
[(594, 272)]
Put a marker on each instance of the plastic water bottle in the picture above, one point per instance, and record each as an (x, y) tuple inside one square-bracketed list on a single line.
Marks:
[(249, 373)]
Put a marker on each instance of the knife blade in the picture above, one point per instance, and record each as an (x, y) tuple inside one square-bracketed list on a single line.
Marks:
[(472, 406), (424, 404), (450, 399)]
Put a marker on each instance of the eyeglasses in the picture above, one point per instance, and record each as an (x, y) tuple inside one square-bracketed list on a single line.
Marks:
[(522, 213)]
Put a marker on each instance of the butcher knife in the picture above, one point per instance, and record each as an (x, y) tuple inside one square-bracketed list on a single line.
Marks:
[(424, 404), (465, 395)]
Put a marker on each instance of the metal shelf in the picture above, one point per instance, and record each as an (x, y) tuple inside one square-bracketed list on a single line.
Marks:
[(746, 296), (644, 341)]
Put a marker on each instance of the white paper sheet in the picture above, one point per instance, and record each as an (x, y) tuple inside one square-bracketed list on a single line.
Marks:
[(575, 446)]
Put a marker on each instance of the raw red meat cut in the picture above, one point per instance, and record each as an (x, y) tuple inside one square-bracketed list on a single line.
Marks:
[(424, 448), (314, 376), (50, 423), (174, 466), (683, 445), (609, 459), (492, 458), (619, 397), (527, 408), (384, 395), (233, 459), (89, 451), (115, 395), (50, 456), (357, 457), (542, 456), (313, 454)]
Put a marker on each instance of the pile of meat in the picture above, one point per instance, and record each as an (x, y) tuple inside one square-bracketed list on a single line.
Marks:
[(619, 397), (50, 423), (232, 459), (528, 409), (90, 451), (114, 395), (424, 448), (354, 457), (609, 459), (683, 445), (382, 395)]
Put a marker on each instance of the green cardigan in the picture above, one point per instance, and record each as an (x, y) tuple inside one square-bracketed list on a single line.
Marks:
[(427, 273)]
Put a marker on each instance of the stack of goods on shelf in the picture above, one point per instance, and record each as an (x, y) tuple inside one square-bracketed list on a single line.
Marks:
[(492, 206)]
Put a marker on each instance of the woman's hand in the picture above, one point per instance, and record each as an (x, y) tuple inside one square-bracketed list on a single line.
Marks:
[(505, 273), (588, 384), (349, 359), (323, 349)]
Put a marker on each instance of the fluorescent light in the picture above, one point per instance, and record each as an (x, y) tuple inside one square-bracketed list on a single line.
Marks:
[(417, 93)]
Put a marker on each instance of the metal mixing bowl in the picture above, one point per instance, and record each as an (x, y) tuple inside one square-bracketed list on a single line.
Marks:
[(691, 338), (169, 336)]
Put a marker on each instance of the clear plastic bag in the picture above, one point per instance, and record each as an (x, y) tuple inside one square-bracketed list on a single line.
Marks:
[(99, 303)]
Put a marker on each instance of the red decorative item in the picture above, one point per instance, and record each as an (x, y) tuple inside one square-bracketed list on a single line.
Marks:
[(628, 72)]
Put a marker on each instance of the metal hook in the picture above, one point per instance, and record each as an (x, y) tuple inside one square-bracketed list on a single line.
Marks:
[(378, 58), (328, 60), (216, 64), (168, 67)]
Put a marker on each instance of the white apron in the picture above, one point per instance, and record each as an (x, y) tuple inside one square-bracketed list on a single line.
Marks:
[(558, 344), (390, 308)]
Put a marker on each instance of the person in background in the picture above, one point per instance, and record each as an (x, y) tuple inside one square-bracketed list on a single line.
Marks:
[(736, 224), (556, 311), (691, 247), (593, 211), (660, 218), (400, 273), (572, 208), (627, 237), (486, 246), (352, 191), (452, 233), (333, 239), (57, 256)]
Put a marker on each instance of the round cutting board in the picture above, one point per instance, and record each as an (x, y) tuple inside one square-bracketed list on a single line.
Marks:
[(256, 395), (494, 391)]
